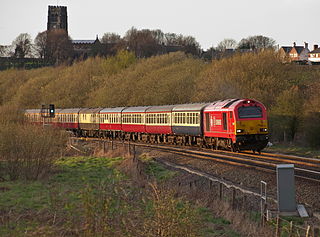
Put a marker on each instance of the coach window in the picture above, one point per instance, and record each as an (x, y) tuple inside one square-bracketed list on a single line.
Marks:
[(225, 124)]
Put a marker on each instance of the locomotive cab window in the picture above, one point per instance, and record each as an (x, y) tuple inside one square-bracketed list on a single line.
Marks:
[(250, 112)]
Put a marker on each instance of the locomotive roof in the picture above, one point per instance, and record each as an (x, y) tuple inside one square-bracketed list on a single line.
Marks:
[(112, 110), (89, 110), (139, 109), (190, 107), (162, 108), (225, 104)]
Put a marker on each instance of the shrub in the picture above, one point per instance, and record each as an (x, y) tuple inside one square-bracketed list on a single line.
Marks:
[(26, 151)]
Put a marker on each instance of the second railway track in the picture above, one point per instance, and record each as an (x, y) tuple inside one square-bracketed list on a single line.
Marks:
[(305, 168)]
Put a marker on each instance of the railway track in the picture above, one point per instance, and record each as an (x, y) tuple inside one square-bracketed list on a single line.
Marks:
[(305, 168)]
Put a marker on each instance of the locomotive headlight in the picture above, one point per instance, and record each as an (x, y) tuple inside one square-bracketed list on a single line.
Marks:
[(239, 130), (263, 130)]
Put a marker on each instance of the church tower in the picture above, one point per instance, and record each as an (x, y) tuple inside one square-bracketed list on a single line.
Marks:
[(57, 18)]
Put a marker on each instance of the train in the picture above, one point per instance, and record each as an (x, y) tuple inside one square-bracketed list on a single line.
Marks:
[(232, 124)]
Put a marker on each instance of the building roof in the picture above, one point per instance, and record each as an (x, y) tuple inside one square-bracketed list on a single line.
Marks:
[(299, 49), (286, 49), (317, 50), (83, 41)]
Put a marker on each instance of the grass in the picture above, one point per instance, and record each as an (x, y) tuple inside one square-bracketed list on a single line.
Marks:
[(88, 196), (156, 170), (216, 226), (60, 193), (294, 150)]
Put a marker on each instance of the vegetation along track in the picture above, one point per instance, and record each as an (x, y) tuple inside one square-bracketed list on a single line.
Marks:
[(305, 168)]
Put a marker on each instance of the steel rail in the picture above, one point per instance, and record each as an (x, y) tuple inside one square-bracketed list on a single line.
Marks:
[(297, 160), (226, 159)]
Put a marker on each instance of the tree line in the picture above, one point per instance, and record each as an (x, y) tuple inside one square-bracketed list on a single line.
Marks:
[(56, 45)]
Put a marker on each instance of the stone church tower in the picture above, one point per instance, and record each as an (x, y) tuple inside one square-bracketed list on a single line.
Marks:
[(57, 18)]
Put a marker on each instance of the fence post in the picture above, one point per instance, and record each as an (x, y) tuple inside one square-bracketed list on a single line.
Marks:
[(104, 147), (111, 144), (278, 226), (244, 201), (220, 191), (129, 153), (134, 152), (308, 230), (290, 229), (233, 198), (263, 201)]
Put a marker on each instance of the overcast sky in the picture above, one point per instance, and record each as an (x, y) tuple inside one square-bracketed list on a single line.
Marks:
[(209, 21)]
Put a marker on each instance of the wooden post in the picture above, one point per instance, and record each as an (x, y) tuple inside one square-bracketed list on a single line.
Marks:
[(278, 227), (134, 152), (220, 191), (308, 230), (233, 198), (290, 229), (244, 202), (129, 148), (104, 147), (316, 232), (111, 144)]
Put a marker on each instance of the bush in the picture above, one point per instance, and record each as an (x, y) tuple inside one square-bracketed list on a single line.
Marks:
[(312, 130), (26, 151)]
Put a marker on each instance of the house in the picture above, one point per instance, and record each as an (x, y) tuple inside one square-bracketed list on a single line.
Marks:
[(314, 55), (284, 53), (296, 54)]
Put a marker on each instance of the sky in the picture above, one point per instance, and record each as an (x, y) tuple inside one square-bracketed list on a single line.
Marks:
[(209, 21)]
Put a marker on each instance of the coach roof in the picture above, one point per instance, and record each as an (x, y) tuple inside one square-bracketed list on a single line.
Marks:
[(162, 108), (69, 111), (112, 110), (190, 107), (140, 109), (90, 110)]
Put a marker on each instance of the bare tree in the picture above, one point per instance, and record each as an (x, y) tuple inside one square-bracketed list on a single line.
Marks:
[(226, 44), (142, 42), (40, 44), (257, 42), (158, 35), (22, 46), (110, 38), (59, 46), (3, 51), (171, 39)]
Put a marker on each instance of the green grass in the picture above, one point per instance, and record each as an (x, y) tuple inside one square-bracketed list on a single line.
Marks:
[(294, 150), (88, 192), (216, 226), (156, 170), (60, 193)]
